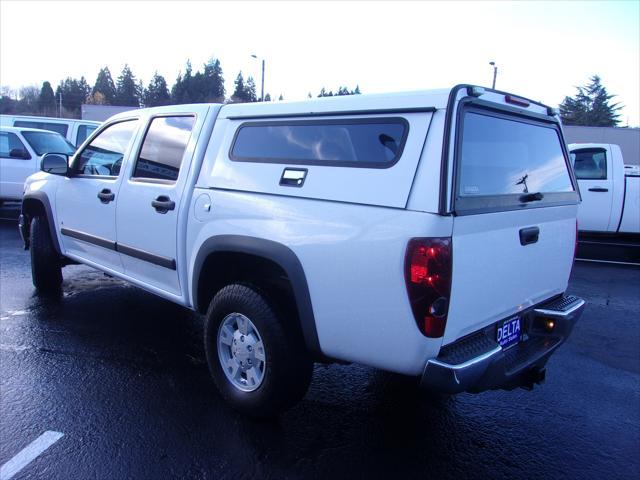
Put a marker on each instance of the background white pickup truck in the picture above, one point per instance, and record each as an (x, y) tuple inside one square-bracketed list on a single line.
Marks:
[(429, 234), (610, 189)]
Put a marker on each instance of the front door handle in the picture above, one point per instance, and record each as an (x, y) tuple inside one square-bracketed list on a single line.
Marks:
[(529, 235), (163, 204), (598, 189), (106, 195)]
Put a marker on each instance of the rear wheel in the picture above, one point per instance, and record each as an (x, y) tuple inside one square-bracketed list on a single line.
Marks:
[(260, 367), (46, 271)]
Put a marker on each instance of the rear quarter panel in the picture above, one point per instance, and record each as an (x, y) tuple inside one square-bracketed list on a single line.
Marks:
[(353, 259)]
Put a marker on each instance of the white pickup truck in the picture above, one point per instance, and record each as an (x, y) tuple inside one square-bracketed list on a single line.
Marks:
[(430, 234), (610, 189)]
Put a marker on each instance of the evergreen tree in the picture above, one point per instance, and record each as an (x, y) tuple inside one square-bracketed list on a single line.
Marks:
[(181, 90), (47, 100), (590, 106), (280, 98), (74, 93), (341, 91), (127, 89), (157, 93), (213, 81), (239, 92), (250, 91), (104, 84), (267, 98)]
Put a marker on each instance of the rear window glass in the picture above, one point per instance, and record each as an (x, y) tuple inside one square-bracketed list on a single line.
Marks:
[(501, 156), (590, 164), (355, 143), (83, 132), (163, 148), (44, 142), (60, 128)]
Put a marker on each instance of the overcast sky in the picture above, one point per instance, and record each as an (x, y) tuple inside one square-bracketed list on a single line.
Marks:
[(542, 49)]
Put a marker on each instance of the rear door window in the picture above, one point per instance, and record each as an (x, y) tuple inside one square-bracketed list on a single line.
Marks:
[(367, 142), (590, 163), (163, 147), (60, 128), (506, 161)]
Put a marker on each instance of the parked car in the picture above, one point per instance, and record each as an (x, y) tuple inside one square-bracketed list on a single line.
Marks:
[(76, 131), (610, 189), (21, 150), (429, 234)]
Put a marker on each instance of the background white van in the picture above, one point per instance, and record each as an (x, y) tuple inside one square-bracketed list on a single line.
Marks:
[(76, 131)]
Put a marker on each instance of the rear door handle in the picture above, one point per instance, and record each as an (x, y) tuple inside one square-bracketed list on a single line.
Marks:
[(106, 196), (598, 189), (163, 204), (529, 235)]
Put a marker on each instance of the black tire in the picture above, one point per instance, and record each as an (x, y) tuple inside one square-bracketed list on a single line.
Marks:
[(46, 271), (288, 367)]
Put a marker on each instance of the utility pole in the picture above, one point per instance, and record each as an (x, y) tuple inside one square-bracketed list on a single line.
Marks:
[(262, 86), (60, 115), (495, 74), (262, 82)]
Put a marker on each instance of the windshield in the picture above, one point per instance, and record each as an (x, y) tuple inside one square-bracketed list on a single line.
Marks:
[(45, 142)]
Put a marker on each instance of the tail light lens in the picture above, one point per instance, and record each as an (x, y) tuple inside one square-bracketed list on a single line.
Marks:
[(428, 279)]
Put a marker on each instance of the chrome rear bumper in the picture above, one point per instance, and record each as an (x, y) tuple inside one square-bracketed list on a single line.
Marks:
[(477, 363)]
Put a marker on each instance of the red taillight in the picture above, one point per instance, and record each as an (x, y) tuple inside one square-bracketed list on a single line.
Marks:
[(428, 279)]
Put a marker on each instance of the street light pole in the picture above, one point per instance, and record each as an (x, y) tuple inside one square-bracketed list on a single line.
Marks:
[(262, 82), (495, 74)]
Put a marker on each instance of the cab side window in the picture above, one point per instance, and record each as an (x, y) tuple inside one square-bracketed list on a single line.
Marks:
[(163, 148), (590, 164), (10, 141), (104, 155)]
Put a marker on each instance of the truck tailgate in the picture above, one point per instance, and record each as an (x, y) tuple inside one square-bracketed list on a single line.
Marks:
[(515, 207), (495, 276)]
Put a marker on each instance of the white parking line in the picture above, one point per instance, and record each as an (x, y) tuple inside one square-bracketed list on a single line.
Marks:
[(28, 454)]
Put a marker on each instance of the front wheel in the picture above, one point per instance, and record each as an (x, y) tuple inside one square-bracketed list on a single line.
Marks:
[(260, 367), (46, 271)]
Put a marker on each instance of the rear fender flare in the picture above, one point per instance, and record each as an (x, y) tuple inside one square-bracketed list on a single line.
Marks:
[(277, 253)]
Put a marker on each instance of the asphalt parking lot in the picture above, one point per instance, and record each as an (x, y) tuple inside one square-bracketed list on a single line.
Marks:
[(121, 375)]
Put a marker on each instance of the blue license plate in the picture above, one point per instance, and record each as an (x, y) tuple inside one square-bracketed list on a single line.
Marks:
[(509, 332)]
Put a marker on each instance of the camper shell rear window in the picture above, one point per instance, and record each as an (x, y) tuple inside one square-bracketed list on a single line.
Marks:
[(365, 143), (507, 162)]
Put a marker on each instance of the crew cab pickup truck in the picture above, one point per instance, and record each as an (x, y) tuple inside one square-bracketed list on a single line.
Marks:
[(610, 189), (430, 234)]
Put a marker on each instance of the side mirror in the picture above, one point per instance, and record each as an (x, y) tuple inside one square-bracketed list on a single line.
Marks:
[(19, 153), (55, 163)]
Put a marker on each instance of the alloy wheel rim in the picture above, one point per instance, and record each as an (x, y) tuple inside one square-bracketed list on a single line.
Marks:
[(241, 352)]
